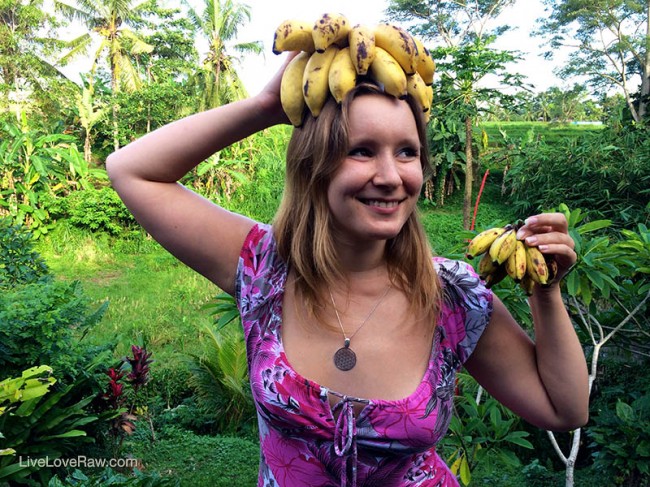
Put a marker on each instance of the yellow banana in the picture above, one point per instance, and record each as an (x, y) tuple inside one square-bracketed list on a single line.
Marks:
[(516, 263), (486, 266), (551, 264), (330, 29), (362, 47), (496, 276), (315, 81), (293, 35), (342, 75), (425, 67), (503, 246), (481, 242), (387, 71), (400, 44), (536, 265), (417, 89), (293, 101), (527, 284)]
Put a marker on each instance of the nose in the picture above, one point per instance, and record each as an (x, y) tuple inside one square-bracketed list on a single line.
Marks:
[(386, 171)]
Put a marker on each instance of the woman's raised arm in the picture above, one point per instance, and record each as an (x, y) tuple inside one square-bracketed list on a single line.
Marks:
[(145, 174)]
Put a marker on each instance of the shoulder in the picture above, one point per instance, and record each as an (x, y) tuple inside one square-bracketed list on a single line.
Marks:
[(260, 269), (467, 305)]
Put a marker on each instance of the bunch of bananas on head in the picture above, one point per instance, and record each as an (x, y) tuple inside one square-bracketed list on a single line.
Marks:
[(503, 255), (334, 55)]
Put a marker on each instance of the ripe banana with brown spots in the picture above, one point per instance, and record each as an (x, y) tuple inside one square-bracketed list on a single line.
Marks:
[(342, 75), (536, 265), (362, 47), (330, 29), (426, 66), (399, 44), (386, 70), (503, 255), (291, 97), (293, 35), (315, 82), (334, 55), (516, 263)]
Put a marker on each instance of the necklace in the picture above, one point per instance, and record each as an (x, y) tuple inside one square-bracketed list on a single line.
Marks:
[(345, 359)]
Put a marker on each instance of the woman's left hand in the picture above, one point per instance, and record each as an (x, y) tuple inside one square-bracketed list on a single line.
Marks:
[(549, 232)]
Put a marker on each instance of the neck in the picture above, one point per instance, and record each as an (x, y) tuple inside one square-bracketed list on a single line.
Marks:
[(362, 258)]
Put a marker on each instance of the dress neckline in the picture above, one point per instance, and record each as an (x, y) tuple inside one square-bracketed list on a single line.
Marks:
[(324, 391)]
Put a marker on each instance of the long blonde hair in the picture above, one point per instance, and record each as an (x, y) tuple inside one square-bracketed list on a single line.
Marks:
[(303, 226)]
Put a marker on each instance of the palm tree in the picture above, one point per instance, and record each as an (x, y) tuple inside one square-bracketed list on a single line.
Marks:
[(109, 19), (218, 81), (27, 42)]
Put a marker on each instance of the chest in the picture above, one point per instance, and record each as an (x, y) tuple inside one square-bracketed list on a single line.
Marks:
[(392, 350)]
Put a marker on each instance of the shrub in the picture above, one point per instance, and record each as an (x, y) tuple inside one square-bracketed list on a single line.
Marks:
[(115, 479), (621, 438), (99, 210), (39, 323), (607, 172), (41, 318), (40, 424), (19, 262)]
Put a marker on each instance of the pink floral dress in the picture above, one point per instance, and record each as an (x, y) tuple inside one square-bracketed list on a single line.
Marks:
[(389, 443)]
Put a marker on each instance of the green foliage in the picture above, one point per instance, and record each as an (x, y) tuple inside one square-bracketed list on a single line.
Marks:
[(35, 164), (220, 378), (40, 318), (41, 322), (480, 432), (99, 210), (19, 262), (606, 172), (29, 385), (217, 461), (582, 27), (44, 426), (108, 477), (622, 436)]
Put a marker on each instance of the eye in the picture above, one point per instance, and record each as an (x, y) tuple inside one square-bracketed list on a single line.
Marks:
[(359, 152), (408, 153)]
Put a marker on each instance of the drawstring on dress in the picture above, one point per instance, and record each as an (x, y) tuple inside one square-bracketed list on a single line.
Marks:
[(345, 439)]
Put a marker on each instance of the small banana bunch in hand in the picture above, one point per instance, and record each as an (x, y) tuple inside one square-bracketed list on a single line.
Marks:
[(503, 255), (335, 55)]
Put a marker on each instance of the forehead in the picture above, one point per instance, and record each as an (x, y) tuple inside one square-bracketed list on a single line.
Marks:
[(382, 116)]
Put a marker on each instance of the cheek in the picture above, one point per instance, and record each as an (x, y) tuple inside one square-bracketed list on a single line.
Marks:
[(413, 179)]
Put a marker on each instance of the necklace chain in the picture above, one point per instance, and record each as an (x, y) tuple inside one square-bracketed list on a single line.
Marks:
[(338, 317)]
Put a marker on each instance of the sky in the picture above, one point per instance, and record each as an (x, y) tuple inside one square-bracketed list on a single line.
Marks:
[(267, 15)]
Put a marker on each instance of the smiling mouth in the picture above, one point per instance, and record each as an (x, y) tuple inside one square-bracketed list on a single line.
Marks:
[(380, 203)]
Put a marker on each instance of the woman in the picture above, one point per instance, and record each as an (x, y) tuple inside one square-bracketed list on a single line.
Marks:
[(353, 331)]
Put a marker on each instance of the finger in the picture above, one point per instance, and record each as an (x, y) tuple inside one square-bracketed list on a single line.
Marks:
[(541, 224), (550, 238), (555, 220)]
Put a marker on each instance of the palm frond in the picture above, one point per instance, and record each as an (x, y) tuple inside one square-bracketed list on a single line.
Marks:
[(77, 47)]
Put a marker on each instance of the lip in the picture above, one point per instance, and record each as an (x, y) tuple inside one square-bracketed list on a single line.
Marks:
[(381, 205)]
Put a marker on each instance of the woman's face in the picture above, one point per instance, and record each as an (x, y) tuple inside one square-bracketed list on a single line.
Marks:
[(377, 186)]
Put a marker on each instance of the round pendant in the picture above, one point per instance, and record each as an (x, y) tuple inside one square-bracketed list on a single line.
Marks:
[(345, 359)]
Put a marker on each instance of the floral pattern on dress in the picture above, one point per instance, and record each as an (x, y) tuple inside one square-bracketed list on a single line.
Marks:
[(389, 443)]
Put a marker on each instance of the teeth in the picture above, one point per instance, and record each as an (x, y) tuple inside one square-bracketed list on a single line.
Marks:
[(382, 204)]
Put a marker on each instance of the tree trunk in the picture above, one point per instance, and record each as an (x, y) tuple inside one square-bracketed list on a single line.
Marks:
[(645, 69), (469, 174), (87, 147), (114, 88)]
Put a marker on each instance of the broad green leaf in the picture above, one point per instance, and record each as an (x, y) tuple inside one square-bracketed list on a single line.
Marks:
[(594, 226), (625, 412)]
